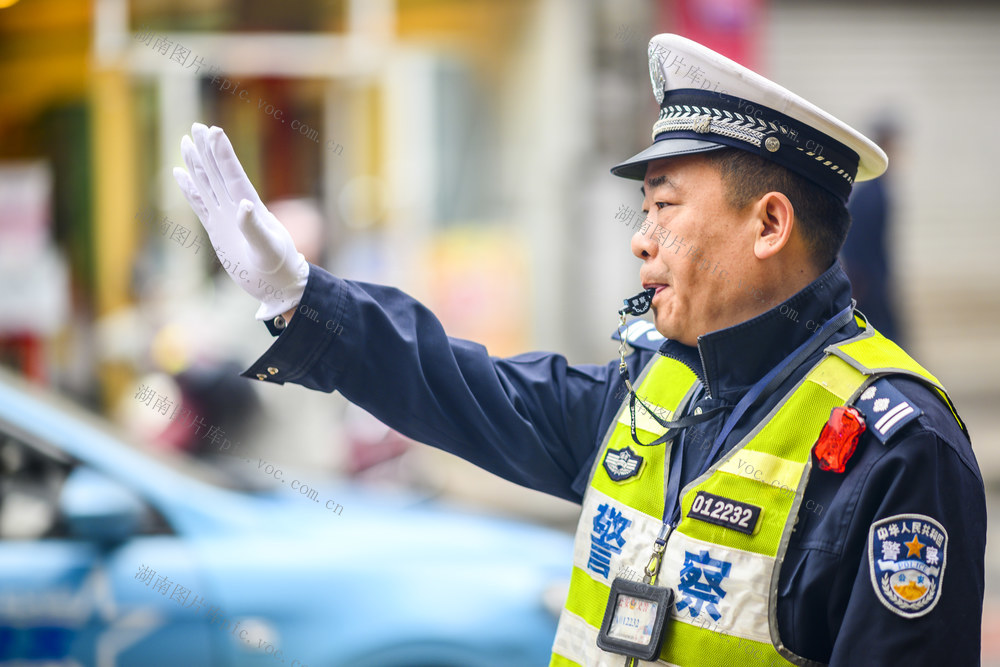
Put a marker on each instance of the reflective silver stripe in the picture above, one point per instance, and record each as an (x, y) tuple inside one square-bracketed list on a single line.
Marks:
[(639, 537), (743, 609), (574, 640)]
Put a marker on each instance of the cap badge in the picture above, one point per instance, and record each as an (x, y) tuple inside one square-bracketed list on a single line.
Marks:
[(656, 75)]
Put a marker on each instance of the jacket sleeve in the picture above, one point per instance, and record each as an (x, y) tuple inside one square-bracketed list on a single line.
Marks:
[(532, 419), (929, 473)]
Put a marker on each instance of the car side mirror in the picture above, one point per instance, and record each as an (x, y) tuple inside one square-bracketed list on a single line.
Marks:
[(98, 508)]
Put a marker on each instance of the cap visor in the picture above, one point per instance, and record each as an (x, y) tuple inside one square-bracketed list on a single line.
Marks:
[(635, 166)]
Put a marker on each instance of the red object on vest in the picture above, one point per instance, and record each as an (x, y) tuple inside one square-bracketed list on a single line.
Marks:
[(839, 438)]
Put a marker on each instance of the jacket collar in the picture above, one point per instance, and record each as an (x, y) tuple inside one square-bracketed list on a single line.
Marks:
[(730, 360)]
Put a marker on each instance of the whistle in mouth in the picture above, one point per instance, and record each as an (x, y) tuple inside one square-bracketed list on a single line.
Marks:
[(640, 303)]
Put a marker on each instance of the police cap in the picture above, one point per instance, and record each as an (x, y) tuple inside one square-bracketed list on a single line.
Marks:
[(707, 102)]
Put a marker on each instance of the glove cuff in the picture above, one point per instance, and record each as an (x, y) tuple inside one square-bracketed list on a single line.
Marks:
[(288, 296)]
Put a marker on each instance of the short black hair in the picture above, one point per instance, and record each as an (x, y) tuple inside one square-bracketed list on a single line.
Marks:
[(823, 216)]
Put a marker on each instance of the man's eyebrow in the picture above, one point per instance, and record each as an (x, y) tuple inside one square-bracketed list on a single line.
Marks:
[(654, 182)]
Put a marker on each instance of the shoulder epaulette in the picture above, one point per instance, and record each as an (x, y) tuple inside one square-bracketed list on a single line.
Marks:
[(886, 409)]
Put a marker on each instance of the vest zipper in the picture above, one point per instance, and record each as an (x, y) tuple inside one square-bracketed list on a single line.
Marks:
[(699, 373), (704, 380)]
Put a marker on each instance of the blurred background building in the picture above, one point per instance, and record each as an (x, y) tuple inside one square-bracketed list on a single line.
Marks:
[(458, 149)]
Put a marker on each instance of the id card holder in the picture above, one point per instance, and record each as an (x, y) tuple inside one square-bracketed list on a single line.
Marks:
[(635, 618)]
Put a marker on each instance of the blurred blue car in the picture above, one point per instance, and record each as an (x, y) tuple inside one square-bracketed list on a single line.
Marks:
[(111, 556)]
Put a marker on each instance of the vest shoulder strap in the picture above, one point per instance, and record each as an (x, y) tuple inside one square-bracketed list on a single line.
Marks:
[(876, 356)]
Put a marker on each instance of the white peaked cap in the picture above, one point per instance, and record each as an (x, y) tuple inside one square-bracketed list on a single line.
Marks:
[(707, 102)]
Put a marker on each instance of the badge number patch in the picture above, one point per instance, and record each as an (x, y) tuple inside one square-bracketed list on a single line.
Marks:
[(621, 464), (724, 512), (906, 556)]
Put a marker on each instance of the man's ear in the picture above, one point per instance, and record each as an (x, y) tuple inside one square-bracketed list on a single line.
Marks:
[(775, 221)]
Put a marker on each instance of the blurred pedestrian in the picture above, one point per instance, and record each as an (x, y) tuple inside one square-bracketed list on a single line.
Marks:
[(866, 254)]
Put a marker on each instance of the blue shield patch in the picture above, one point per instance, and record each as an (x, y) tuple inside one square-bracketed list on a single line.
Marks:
[(622, 463), (906, 555)]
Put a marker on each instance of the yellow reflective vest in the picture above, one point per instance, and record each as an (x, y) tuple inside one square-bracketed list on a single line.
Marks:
[(724, 579)]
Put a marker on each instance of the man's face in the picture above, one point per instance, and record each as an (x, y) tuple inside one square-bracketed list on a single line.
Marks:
[(702, 268)]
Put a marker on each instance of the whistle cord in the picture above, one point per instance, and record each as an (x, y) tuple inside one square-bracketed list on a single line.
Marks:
[(675, 425)]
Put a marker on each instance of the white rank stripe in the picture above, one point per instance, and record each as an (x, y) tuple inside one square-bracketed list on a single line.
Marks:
[(743, 609), (639, 537), (890, 418), (576, 640)]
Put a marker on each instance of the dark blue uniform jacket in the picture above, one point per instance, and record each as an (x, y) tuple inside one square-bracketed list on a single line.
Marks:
[(537, 421)]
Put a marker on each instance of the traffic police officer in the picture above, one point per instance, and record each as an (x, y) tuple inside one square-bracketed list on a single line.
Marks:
[(764, 478)]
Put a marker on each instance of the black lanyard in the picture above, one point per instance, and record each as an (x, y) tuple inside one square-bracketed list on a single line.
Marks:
[(637, 305), (765, 386), (682, 423)]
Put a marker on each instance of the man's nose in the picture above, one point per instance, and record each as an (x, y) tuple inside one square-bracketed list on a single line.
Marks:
[(643, 245)]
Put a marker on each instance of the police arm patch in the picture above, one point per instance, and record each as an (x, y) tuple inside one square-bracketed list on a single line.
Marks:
[(906, 558)]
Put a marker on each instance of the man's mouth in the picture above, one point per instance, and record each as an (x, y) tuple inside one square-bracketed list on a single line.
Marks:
[(657, 286)]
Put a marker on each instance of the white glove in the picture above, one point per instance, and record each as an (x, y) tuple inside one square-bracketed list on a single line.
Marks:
[(253, 247)]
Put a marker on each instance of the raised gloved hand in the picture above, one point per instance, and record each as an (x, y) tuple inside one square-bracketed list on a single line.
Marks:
[(253, 247)]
